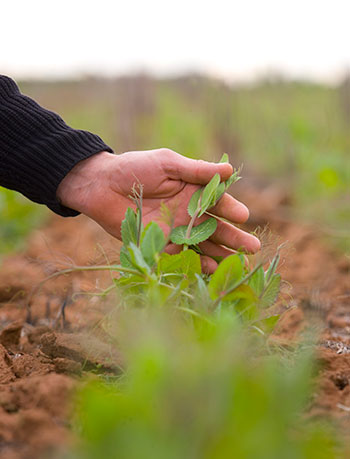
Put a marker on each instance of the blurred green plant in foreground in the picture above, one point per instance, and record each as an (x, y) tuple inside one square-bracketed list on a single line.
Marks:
[(200, 390)]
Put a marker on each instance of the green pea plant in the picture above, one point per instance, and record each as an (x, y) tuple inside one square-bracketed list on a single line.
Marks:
[(148, 274)]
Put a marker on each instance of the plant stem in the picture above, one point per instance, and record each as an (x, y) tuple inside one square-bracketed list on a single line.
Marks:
[(80, 268), (193, 219), (195, 313), (183, 292)]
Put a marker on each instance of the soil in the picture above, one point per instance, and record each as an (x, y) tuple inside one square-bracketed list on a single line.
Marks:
[(45, 346)]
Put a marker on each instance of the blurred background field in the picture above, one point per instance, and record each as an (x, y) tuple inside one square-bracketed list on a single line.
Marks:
[(291, 136)]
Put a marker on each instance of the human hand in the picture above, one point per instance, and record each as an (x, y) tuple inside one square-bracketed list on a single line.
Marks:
[(100, 187)]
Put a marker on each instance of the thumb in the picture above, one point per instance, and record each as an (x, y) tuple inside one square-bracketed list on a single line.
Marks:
[(199, 172)]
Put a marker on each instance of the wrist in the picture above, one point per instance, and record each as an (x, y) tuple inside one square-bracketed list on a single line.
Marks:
[(83, 181)]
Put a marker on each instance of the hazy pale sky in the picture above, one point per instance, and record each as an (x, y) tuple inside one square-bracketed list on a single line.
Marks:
[(231, 39)]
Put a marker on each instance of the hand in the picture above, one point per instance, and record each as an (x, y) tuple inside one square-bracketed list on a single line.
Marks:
[(100, 187)]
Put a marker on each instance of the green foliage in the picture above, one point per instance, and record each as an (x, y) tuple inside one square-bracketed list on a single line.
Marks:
[(295, 135), (185, 264), (129, 227), (202, 200), (173, 124), (152, 242), (161, 276), (18, 217), (227, 275), (209, 195), (198, 233), (136, 256), (200, 392), (266, 285)]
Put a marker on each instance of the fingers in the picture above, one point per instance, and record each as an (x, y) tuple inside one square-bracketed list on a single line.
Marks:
[(210, 249), (188, 170), (208, 265), (234, 238), (172, 249), (215, 250), (229, 208)]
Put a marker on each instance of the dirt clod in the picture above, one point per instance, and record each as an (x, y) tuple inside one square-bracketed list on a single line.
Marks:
[(6, 374), (11, 334), (82, 348)]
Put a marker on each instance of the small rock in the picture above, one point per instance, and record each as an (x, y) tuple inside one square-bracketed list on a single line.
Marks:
[(26, 365)]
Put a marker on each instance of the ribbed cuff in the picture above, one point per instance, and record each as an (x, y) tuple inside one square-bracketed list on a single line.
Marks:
[(80, 145)]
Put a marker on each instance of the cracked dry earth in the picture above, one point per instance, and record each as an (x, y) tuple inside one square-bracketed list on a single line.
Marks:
[(45, 349)]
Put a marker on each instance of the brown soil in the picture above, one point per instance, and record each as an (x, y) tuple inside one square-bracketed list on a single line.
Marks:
[(41, 359)]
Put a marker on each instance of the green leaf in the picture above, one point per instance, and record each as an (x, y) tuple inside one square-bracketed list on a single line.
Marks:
[(191, 264), (234, 178), (243, 292), (181, 286), (187, 263), (202, 291), (224, 158), (178, 235), (268, 324), (124, 256), (209, 193), (129, 227), (257, 281), (272, 268), (193, 204), (199, 233), (130, 281), (271, 292), (152, 242), (228, 273), (220, 191), (203, 231), (247, 310), (137, 259)]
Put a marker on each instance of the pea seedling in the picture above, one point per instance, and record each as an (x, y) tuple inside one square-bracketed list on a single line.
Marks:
[(178, 277)]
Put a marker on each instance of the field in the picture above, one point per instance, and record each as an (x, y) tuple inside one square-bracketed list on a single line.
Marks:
[(84, 374)]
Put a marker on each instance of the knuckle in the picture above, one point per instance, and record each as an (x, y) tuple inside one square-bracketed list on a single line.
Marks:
[(169, 160), (166, 152)]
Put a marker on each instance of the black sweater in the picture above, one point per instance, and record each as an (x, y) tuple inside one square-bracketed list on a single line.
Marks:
[(37, 148)]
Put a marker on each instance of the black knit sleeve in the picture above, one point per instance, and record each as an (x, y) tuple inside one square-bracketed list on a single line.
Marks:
[(37, 148)]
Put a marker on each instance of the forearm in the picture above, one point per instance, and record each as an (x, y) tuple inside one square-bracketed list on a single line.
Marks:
[(37, 149)]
